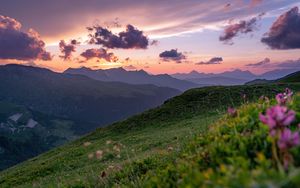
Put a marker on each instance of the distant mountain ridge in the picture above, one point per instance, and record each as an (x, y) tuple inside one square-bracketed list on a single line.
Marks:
[(235, 77), (290, 78), (41, 109), (133, 77)]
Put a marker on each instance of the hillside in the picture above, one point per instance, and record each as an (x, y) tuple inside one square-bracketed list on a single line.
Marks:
[(25, 133), (133, 77), (143, 149), (291, 78), (294, 77), (77, 97), (41, 109)]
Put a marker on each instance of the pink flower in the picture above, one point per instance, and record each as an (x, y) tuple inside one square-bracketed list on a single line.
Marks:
[(288, 139), (277, 117), (232, 112), (280, 98), (283, 98), (288, 92)]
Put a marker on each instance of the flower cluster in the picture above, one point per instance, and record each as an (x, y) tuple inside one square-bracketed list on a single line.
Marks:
[(279, 120), (232, 112), (284, 98)]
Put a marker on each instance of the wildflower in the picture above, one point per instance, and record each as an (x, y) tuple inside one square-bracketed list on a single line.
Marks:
[(117, 148), (108, 142), (99, 154), (86, 144), (232, 112), (283, 98), (288, 92), (110, 167), (264, 99), (244, 96), (91, 155), (288, 139), (277, 117)]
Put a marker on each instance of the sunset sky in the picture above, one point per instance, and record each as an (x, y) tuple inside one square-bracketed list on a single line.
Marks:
[(159, 36)]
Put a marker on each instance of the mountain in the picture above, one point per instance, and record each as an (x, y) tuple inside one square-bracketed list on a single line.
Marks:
[(132, 77), (191, 75), (291, 78), (38, 106), (237, 74), (25, 133), (235, 77), (188, 141), (276, 74), (218, 80)]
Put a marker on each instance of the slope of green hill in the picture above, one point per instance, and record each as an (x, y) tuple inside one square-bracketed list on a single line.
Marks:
[(158, 147), (41, 109), (294, 77), (291, 78)]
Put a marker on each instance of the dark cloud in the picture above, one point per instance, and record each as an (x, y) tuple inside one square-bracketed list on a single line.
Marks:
[(67, 49), (186, 15), (130, 67), (132, 38), (16, 44), (285, 31), (261, 63), (243, 27), (212, 61), (100, 54), (172, 55)]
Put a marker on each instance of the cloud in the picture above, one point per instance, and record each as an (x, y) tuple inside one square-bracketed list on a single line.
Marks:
[(263, 62), (243, 27), (130, 67), (67, 49), (212, 61), (156, 17), (132, 38), (266, 64), (285, 31), (31, 64), (254, 3), (100, 54), (172, 55), (19, 45)]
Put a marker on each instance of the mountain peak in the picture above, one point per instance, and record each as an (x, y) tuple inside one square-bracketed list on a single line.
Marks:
[(194, 72)]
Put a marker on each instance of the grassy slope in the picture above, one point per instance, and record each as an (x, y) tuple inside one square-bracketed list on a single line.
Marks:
[(173, 126), (294, 77)]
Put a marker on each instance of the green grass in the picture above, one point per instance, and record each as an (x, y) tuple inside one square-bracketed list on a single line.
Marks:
[(157, 147), (294, 77)]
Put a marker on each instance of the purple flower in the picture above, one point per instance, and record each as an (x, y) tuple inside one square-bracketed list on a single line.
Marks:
[(288, 139), (277, 117), (288, 92), (283, 98), (232, 112), (280, 98)]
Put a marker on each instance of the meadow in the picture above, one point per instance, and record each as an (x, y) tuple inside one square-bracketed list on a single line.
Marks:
[(190, 140)]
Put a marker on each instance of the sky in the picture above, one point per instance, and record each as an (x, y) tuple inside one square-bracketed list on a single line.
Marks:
[(159, 36)]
